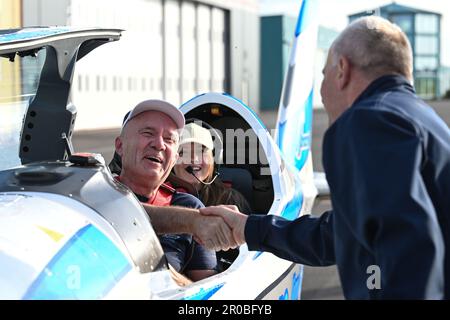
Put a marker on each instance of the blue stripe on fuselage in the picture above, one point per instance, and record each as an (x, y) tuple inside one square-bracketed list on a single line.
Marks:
[(88, 266)]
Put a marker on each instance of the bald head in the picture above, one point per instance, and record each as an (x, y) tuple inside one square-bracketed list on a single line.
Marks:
[(376, 47)]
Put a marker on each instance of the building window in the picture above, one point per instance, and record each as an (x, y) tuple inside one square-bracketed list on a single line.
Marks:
[(97, 79), (426, 63), (130, 84), (404, 21), (426, 87), (426, 45), (426, 23)]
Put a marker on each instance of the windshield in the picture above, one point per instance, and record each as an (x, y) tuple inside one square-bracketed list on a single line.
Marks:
[(18, 85)]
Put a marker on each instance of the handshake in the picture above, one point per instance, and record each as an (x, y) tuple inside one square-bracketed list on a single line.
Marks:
[(220, 227)]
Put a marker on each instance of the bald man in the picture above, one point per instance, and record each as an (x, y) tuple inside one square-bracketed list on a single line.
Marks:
[(386, 156)]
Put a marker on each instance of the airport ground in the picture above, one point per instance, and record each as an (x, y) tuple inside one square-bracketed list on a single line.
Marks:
[(318, 282)]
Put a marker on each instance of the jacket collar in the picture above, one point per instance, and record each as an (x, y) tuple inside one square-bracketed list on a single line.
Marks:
[(383, 84)]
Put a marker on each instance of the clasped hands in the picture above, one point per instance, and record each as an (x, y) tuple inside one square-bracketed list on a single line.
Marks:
[(220, 227)]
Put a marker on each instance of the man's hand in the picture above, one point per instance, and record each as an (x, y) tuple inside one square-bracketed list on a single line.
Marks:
[(180, 279), (213, 233), (234, 219)]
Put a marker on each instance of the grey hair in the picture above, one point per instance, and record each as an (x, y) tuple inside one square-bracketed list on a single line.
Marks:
[(375, 46)]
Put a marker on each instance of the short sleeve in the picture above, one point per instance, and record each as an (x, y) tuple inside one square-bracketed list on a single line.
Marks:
[(187, 200)]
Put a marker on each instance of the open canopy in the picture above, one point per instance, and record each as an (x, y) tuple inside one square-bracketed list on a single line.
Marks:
[(44, 58)]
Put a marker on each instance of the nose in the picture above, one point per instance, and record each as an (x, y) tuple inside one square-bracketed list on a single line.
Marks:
[(196, 156), (158, 143)]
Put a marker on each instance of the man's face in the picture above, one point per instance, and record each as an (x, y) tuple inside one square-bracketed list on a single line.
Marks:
[(148, 148), (340, 79), (329, 88)]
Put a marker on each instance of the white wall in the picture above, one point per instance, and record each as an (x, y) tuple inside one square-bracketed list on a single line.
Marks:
[(116, 76), (144, 64), (45, 12), (189, 61), (245, 57)]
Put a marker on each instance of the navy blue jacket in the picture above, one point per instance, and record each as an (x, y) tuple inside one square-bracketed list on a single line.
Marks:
[(387, 161)]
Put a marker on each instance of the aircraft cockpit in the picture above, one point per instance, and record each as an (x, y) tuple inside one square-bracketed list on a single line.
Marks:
[(244, 164)]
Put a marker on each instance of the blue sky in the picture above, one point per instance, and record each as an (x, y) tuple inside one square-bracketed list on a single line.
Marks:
[(333, 13)]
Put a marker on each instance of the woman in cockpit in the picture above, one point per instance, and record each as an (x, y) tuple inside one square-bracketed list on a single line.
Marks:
[(196, 166)]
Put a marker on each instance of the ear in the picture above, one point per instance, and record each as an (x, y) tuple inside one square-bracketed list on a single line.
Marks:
[(119, 146), (343, 72)]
